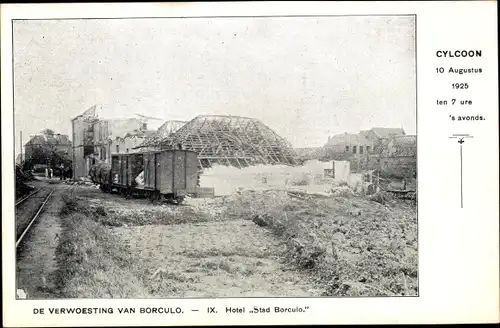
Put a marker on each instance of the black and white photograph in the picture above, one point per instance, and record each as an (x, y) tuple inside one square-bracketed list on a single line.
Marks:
[(215, 157)]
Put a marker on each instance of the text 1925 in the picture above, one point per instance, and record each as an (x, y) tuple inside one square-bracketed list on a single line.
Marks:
[(460, 86)]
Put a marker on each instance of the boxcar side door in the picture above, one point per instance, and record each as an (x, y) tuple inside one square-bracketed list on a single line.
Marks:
[(167, 174), (180, 174), (191, 171), (158, 171)]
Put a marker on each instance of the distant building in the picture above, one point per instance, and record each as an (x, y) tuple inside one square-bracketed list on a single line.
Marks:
[(349, 143), (363, 142), (363, 150), (50, 142), (376, 134)]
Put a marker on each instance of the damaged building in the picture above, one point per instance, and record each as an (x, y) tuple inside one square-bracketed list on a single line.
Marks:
[(367, 150), (129, 142), (363, 142), (83, 141), (153, 140), (95, 138), (231, 141), (399, 156), (110, 134)]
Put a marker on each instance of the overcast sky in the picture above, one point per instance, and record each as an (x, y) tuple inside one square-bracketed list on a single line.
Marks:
[(306, 78)]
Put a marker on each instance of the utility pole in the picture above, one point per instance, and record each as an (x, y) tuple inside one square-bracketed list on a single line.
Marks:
[(21, 137)]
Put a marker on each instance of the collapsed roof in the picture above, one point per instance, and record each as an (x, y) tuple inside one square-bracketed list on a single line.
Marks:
[(231, 140), (163, 132)]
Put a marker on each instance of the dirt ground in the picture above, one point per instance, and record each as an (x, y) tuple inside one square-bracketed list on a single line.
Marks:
[(112, 247), (214, 257), (36, 260)]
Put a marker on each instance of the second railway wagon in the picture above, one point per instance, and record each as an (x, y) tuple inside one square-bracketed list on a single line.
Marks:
[(167, 174)]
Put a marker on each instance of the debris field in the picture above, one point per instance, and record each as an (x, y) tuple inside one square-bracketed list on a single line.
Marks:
[(269, 239)]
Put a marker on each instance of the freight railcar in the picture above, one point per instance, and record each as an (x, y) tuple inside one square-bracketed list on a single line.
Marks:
[(167, 174), (100, 174)]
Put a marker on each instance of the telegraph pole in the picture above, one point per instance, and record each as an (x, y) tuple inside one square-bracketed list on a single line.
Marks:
[(21, 137)]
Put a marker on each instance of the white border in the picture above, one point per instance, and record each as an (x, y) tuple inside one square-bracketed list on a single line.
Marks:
[(458, 249)]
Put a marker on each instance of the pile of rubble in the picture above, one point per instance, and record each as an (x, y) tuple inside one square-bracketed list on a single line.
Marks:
[(342, 191), (81, 182), (226, 179)]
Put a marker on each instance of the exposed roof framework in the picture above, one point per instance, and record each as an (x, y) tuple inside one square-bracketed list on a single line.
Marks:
[(163, 132), (231, 140)]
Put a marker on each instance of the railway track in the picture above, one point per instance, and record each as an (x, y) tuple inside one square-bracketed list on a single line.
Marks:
[(26, 221), (19, 202)]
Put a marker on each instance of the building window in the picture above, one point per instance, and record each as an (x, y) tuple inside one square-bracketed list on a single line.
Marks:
[(361, 149), (367, 149), (354, 149), (346, 148), (117, 148)]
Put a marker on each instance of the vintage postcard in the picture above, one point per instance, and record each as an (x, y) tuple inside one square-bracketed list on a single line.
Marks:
[(238, 163)]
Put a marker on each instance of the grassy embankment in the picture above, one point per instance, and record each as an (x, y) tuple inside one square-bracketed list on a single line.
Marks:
[(352, 245), (92, 262)]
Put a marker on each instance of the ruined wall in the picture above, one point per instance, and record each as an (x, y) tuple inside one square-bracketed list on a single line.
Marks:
[(226, 180), (82, 137), (109, 133), (341, 170), (119, 128), (82, 132), (101, 132), (123, 144), (78, 162), (355, 181)]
